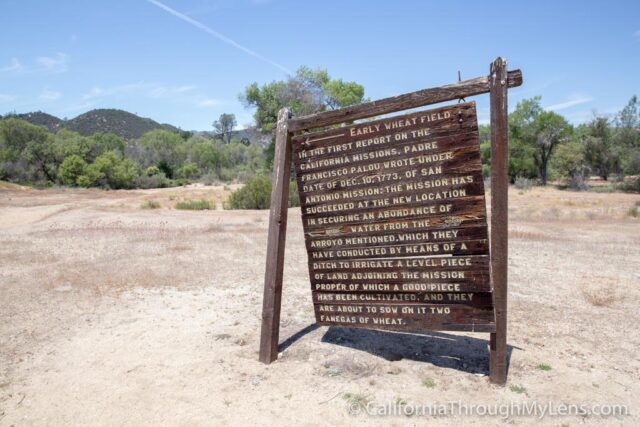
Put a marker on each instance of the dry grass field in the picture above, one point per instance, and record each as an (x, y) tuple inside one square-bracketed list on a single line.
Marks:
[(113, 312)]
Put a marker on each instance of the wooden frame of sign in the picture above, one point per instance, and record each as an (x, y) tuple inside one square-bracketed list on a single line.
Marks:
[(394, 215)]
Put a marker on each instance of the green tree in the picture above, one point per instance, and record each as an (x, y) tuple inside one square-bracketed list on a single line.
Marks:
[(537, 132), (602, 154), (224, 126), (307, 92), (110, 170), (571, 163), (627, 136)]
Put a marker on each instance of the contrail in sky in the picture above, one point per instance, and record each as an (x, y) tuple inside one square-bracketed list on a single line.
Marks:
[(216, 34)]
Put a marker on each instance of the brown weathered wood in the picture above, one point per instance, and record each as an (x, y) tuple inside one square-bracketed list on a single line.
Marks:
[(406, 101), (397, 238), (472, 299), (498, 85), (435, 224), (333, 136), (472, 207), (476, 280), (424, 316), (276, 241)]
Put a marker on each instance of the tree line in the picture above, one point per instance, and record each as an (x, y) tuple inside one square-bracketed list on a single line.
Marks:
[(543, 145)]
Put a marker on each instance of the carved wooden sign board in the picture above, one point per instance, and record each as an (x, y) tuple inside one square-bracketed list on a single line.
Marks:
[(395, 223), (394, 215)]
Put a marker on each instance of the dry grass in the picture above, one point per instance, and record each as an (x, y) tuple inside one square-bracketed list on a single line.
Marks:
[(598, 298)]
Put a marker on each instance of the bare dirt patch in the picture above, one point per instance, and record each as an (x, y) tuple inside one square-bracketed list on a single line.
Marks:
[(114, 314)]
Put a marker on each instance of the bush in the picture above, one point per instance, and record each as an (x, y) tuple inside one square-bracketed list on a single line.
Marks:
[(188, 171), (256, 194), (158, 180), (195, 205), (150, 204), (71, 169), (630, 185)]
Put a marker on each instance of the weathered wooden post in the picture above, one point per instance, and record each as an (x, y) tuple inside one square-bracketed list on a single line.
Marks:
[(499, 217), (276, 241)]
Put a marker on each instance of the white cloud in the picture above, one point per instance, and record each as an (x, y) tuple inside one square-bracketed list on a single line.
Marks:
[(14, 65), (97, 91), (209, 102), (6, 97), (49, 95), (164, 91), (54, 64), (571, 102), (637, 34)]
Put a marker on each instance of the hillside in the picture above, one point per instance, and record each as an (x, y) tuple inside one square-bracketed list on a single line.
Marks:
[(39, 118), (122, 123)]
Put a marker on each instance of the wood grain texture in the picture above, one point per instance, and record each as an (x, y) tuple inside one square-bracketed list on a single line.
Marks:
[(499, 217), (272, 296), (406, 101)]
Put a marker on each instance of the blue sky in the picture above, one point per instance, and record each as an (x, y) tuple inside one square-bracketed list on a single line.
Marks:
[(67, 57)]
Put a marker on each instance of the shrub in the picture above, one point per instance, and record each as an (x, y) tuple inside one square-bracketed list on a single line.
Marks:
[(188, 171), (195, 205), (150, 204), (151, 171), (71, 169), (256, 194), (158, 180), (631, 185)]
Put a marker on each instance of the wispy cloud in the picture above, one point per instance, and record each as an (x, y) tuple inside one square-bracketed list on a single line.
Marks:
[(14, 65), (571, 102), (98, 91), (164, 91), (217, 35), (209, 102), (637, 34), (49, 95), (6, 98), (53, 64), (183, 94)]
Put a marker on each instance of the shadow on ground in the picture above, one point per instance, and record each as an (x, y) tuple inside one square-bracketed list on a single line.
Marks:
[(463, 353)]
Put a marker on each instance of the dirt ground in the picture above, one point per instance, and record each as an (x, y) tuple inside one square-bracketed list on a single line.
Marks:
[(111, 314)]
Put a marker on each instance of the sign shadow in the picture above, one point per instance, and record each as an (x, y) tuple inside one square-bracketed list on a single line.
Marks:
[(460, 352)]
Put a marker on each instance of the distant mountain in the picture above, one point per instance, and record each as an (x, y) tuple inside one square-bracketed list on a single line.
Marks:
[(122, 123), (39, 118)]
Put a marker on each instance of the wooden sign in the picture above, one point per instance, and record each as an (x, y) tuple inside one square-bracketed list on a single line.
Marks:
[(394, 215), (395, 222)]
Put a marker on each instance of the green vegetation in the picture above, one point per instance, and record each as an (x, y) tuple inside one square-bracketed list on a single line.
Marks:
[(115, 149), (195, 205), (357, 400), (544, 367), (429, 383), (517, 389), (150, 204), (256, 194)]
